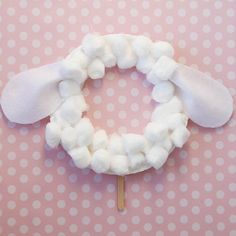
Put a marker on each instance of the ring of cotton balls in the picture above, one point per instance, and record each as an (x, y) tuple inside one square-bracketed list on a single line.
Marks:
[(127, 153)]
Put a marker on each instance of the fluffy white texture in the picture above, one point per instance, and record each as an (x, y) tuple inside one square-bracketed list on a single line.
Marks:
[(119, 165), (100, 161), (180, 136), (152, 78), (80, 103), (69, 112), (156, 131), (166, 143), (127, 60), (162, 48), (73, 70), (136, 161), (115, 145), (81, 157), (68, 88), (78, 56), (68, 138), (163, 92), (56, 117), (163, 111), (164, 68), (145, 64), (108, 58), (53, 134), (142, 46), (100, 140), (133, 143), (96, 69), (85, 131), (176, 120), (93, 45), (157, 157)]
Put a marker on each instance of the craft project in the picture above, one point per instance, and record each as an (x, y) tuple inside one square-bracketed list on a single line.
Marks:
[(56, 90)]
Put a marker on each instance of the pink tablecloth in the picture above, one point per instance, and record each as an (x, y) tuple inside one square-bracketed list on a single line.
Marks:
[(42, 193)]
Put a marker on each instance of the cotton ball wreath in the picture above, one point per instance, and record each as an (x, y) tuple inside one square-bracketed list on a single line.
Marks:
[(136, 161), (162, 48), (119, 165), (81, 157), (69, 138), (100, 161), (100, 140), (85, 132), (133, 143), (53, 134), (115, 145), (96, 70), (179, 136), (142, 46)]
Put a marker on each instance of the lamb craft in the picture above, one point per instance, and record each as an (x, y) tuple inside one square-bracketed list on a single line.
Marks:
[(55, 90)]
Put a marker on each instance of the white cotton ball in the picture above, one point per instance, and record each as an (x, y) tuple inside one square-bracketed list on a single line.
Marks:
[(176, 120), (156, 131), (53, 134), (163, 92), (108, 58), (68, 138), (96, 69), (56, 117), (164, 68), (72, 70), (152, 78), (116, 145), (180, 136), (136, 161), (163, 111), (166, 144), (85, 132), (80, 103), (148, 146), (79, 57), (127, 60), (157, 157), (145, 64), (100, 161), (81, 157), (162, 48), (119, 165), (100, 140), (142, 46), (68, 88), (93, 45), (133, 143)]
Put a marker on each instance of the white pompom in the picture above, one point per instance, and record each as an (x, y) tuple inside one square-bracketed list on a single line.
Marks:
[(100, 161), (176, 120), (127, 60), (119, 44), (136, 161), (100, 140), (81, 157), (78, 56), (156, 131), (166, 143), (85, 132), (133, 143), (53, 134), (93, 45), (145, 64), (96, 69), (152, 78), (68, 88), (162, 48), (119, 165), (108, 58), (56, 117), (163, 92), (157, 157), (68, 138), (142, 46), (115, 145), (180, 136), (80, 103)]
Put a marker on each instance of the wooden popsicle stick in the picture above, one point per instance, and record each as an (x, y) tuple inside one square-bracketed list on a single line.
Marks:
[(120, 193)]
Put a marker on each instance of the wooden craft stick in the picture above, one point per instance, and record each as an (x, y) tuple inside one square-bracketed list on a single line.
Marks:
[(121, 193)]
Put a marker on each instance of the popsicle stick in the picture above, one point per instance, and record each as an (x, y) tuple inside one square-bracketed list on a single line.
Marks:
[(121, 193)]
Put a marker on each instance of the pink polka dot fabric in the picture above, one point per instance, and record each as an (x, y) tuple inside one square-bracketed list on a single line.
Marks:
[(43, 193)]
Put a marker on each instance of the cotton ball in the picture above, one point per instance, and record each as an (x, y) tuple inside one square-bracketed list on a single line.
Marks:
[(152, 78), (68, 138), (100, 140), (108, 58), (180, 136), (162, 48), (85, 132), (163, 111), (80, 103), (78, 56), (56, 117), (155, 131), (93, 45), (115, 145), (127, 60), (157, 157), (81, 157), (136, 161), (96, 69), (119, 165), (163, 92), (145, 64), (148, 146), (166, 143), (53, 134), (68, 88), (142, 46), (133, 143), (100, 161), (176, 120)]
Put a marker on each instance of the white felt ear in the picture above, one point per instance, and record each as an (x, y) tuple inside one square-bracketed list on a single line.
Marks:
[(32, 95), (206, 101)]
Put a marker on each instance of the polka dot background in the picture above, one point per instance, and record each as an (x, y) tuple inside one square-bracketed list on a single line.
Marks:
[(43, 193)]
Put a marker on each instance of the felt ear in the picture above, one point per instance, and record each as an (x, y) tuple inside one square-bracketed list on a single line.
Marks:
[(206, 101), (32, 95)]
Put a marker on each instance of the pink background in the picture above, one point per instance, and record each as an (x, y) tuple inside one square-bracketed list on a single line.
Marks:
[(42, 193)]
